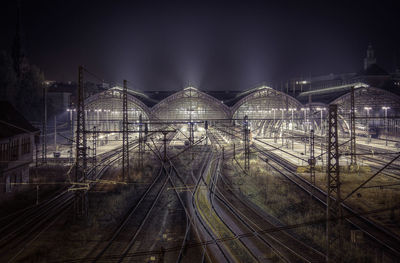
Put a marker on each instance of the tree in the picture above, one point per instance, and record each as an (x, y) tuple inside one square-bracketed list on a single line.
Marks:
[(8, 78), (30, 92), (25, 92)]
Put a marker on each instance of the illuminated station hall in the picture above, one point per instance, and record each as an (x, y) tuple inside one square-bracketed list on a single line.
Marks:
[(304, 171)]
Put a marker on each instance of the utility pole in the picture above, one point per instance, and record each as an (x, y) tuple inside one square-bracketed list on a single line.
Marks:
[(292, 123), (165, 145), (353, 156), (246, 144), (334, 206), (191, 137), (206, 128), (141, 143), (55, 132), (146, 133), (94, 145), (386, 123), (80, 202), (44, 127), (312, 161), (71, 114), (125, 133)]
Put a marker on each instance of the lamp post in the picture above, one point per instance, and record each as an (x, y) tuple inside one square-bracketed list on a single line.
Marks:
[(305, 128), (386, 124), (71, 116), (291, 124), (322, 133), (304, 110), (367, 109), (282, 110), (322, 126), (273, 126)]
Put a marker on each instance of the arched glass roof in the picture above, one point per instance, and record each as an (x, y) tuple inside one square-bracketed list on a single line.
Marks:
[(369, 99), (190, 104), (263, 102)]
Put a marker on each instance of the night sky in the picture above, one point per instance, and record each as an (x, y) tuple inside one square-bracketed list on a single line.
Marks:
[(166, 45)]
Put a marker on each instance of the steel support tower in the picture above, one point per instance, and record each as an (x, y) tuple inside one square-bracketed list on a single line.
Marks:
[(94, 151), (125, 133), (141, 142), (312, 160), (191, 133), (44, 127), (353, 156), (334, 207), (165, 145), (80, 203), (246, 143), (191, 138)]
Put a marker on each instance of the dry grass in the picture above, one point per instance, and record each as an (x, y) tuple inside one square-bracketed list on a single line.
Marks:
[(367, 199), (70, 239), (281, 199)]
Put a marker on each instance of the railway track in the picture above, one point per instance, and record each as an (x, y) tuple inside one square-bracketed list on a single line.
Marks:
[(118, 246), (25, 226), (387, 240), (285, 246), (191, 221), (209, 241), (288, 248)]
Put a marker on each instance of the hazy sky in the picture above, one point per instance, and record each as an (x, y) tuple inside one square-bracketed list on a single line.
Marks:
[(211, 45)]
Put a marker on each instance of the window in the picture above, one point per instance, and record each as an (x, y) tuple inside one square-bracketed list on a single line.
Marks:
[(4, 152), (25, 145), (14, 150)]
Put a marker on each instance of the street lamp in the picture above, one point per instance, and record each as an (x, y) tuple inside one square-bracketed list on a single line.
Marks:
[(305, 128), (291, 122), (367, 109), (322, 126), (71, 116), (322, 133), (273, 126), (282, 110), (386, 125), (305, 118)]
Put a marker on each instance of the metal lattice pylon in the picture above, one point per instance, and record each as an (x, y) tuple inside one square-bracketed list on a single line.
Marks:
[(312, 160), (94, 150), (246, 140), (141, 142), (125, 133), (353, 160), (334, 207), (80, 202), (44, 127)]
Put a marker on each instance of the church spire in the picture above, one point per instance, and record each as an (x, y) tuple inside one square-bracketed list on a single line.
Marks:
[(370, 59)]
